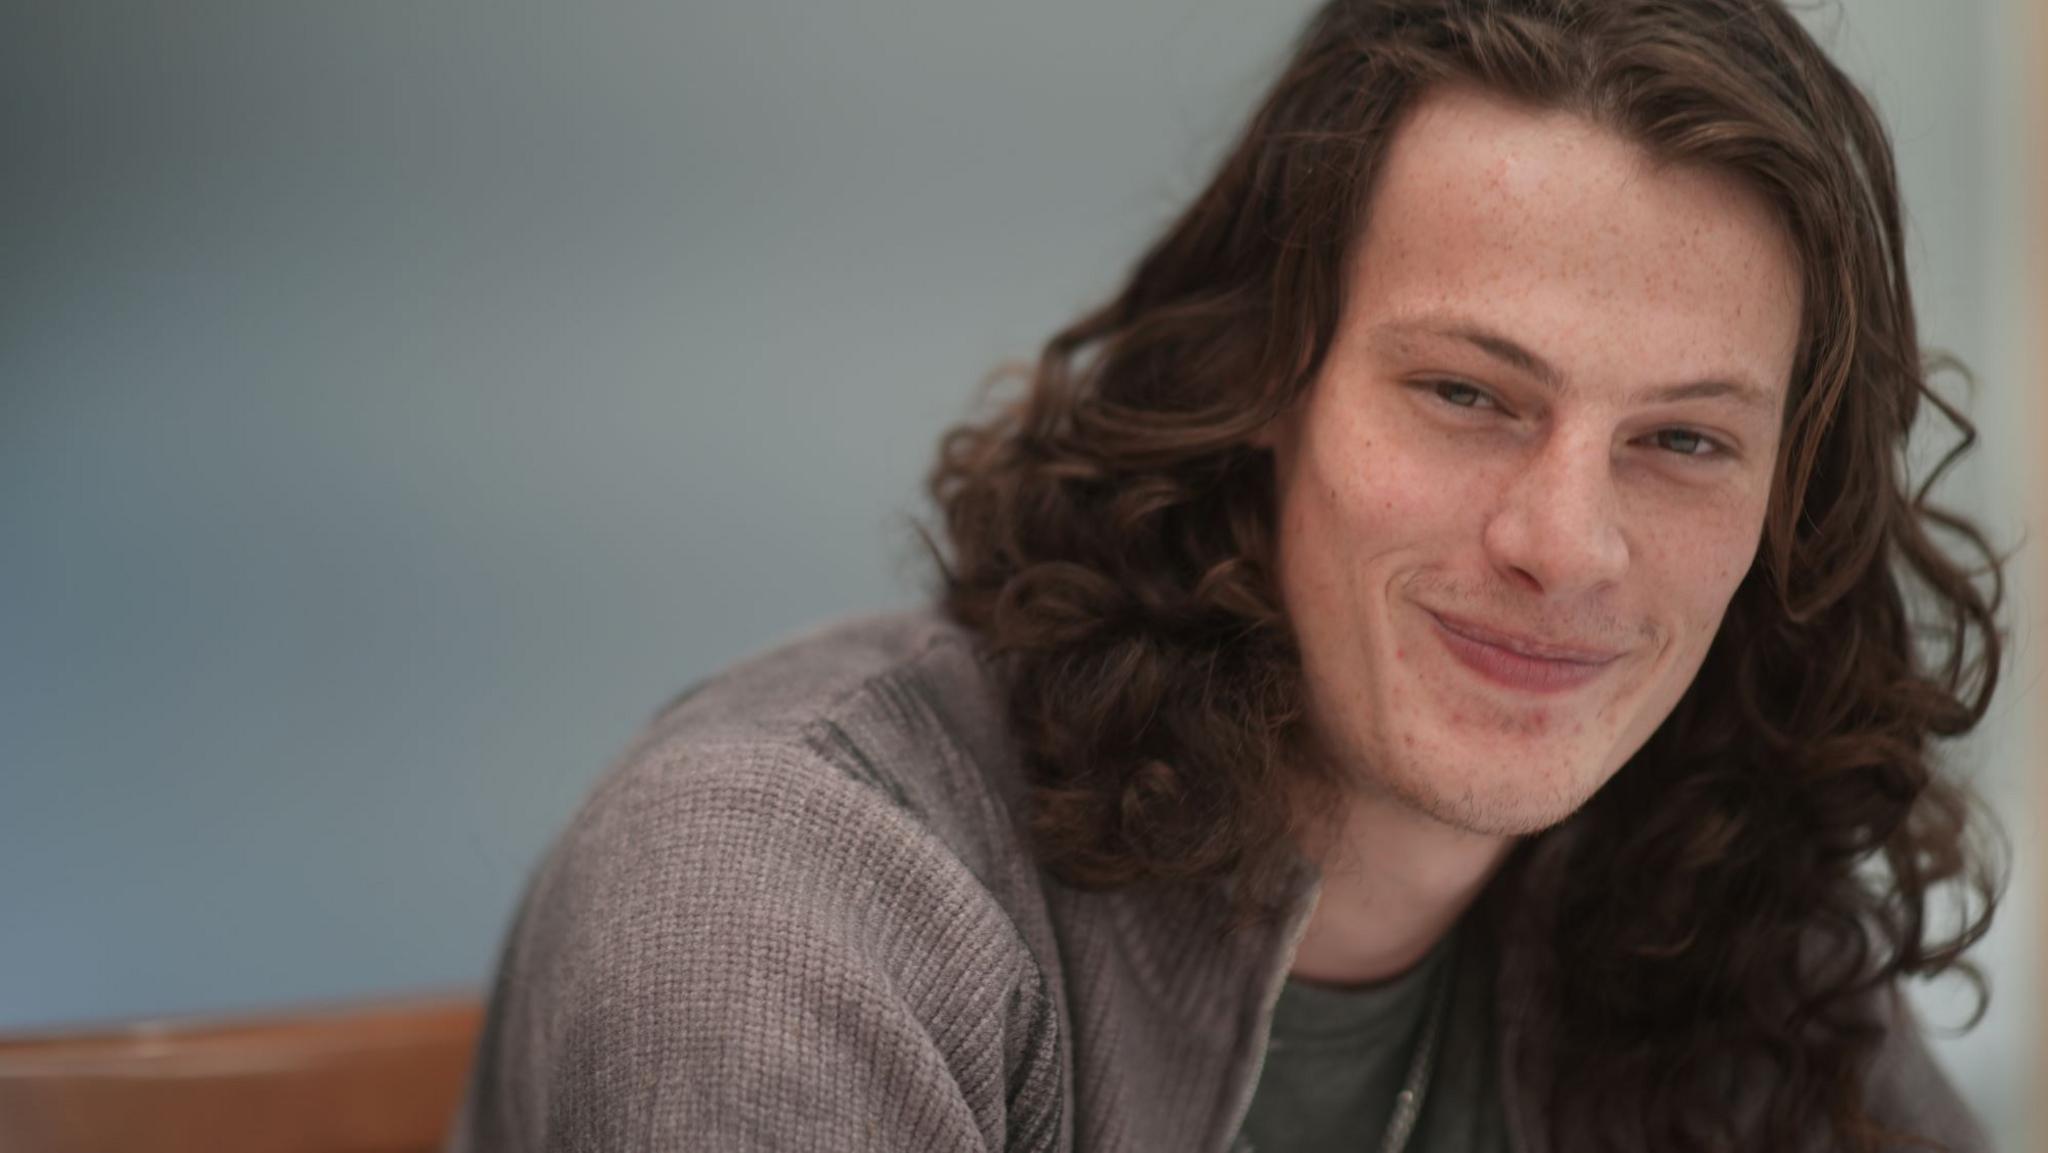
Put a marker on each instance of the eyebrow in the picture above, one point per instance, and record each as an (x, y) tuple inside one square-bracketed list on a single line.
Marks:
[(1523, 360)]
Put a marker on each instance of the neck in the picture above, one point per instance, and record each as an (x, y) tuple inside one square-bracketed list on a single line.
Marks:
[(1394, 882)]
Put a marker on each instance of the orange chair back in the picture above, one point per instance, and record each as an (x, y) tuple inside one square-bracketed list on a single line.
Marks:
[(375, 1079)]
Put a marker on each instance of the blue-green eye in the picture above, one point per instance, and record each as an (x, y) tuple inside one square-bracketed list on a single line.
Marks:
[(1460, 394), (1685, 442)]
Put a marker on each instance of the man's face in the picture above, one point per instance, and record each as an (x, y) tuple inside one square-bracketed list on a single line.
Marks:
[(1517, 499)]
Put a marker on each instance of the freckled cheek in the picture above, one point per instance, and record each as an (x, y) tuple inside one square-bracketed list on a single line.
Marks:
[(1405, 498), (1692, 567)]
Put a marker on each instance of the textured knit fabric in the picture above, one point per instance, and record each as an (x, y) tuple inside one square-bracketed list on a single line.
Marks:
[(1337, 1058), (799, 915)]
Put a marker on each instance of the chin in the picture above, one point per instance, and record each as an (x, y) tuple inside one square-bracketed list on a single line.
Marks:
[(1510, 795)]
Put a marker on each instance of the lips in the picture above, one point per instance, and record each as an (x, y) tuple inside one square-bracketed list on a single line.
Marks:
[(1519, 662)]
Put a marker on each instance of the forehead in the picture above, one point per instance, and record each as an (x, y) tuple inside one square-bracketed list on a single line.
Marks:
[(1579, 244)]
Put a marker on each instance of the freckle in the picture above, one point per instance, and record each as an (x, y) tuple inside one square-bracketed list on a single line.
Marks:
[(1408, 739)]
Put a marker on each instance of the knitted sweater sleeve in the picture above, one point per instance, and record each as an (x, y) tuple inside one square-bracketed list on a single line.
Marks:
[(745, 949)]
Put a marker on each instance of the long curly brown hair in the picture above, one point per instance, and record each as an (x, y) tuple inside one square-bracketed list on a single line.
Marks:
[(1778, 853)]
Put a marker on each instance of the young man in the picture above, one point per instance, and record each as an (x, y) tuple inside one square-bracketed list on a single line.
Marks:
[(1428, 666)]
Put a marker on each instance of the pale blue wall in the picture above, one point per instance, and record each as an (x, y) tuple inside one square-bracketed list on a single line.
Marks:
[(398, 401)]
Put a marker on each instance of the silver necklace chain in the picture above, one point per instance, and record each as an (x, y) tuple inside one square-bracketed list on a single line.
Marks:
[(1408, 1102), (1421, 1064)]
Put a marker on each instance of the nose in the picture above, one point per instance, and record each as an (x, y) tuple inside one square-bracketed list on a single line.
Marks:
[(1557, 529)]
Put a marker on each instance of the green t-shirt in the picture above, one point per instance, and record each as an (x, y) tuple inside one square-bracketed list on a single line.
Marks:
[(1338, 1056)]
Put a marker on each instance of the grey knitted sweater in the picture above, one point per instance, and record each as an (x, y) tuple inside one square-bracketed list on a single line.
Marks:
[(799, 915)]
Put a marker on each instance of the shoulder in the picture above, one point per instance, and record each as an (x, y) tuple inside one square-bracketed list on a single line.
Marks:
[(785, 887), (711, 863), (836, 772), (902, 706)]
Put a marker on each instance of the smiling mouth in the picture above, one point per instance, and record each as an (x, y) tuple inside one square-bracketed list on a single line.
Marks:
[(1519, 662)]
